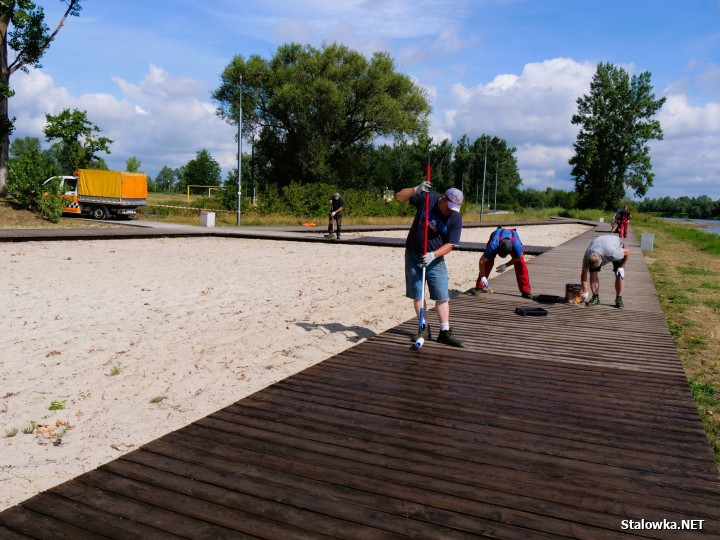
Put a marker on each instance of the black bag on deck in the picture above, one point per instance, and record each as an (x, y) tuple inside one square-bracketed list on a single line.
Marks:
[(549, 299), (531, 311)]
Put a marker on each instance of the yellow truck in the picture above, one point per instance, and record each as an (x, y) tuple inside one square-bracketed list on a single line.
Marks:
[(103, 194)]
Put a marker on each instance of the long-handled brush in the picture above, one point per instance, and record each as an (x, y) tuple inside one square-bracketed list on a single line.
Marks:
[(421, 340)]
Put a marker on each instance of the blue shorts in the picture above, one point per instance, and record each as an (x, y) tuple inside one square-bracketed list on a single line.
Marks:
[(436, 275)]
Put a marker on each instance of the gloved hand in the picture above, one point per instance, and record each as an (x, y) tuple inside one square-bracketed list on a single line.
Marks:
[(332, 214), (424, 187), (428, 257), (500, 269), (620, 273), (585, 296), (484, 282)]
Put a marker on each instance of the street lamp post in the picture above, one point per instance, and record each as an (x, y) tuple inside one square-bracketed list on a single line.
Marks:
[(482, 199), (497, 166), (474, 170), (239, 161)]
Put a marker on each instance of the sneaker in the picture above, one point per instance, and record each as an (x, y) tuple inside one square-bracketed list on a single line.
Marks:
[(424, 333), (446, 337), (619, 302), (330, 236), (594, 301), (526, 295)]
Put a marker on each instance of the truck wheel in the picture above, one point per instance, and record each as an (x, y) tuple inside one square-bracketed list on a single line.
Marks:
[(99, 212)]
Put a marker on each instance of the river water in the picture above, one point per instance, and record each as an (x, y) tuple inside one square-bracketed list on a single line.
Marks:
[(705, 225)]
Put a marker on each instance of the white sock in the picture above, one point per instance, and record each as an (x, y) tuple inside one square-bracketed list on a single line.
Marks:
[(445, 326)]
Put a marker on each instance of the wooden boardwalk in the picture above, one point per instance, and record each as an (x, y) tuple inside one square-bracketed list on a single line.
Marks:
[(572, 425)]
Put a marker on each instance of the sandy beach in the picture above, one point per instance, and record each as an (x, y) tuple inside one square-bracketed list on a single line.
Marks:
[(107, 345)]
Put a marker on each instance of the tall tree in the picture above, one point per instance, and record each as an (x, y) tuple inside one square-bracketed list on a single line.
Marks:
[(23, 31), (132, 164), (461, 163), (201, 171), (28, 167), (316, 112), (166, 179), (611, 151), (78, 145), (490, 155), (441, 160)]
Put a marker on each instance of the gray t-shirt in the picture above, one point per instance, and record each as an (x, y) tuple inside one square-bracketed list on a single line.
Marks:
[(609, 246)]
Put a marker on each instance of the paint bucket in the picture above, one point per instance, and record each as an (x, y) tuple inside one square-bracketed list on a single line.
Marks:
[(573, 293)]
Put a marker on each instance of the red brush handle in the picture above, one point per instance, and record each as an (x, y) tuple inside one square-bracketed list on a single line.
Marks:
[(427, 210)]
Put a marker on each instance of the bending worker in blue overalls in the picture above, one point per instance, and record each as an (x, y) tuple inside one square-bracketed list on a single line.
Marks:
[(504, 242)]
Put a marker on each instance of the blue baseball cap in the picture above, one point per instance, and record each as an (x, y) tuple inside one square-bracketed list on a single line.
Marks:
[(454, 199)]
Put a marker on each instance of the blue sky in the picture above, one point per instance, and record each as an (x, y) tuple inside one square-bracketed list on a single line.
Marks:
[(144, 72)]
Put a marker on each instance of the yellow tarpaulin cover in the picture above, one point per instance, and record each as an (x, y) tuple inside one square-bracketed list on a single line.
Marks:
[(114, 184)]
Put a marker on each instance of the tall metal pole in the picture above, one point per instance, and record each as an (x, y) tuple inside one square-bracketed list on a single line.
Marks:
[(239, 151), (477, 184), (252, 170), (482, 199), (497, 164)]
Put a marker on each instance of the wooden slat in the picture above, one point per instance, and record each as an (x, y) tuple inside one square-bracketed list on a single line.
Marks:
[(552, 427)]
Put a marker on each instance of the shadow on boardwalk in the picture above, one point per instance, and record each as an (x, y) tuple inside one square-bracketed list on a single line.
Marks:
[(579, 424)]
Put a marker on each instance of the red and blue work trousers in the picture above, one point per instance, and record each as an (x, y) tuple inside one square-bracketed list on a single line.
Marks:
[(622, 229), (521, 272)]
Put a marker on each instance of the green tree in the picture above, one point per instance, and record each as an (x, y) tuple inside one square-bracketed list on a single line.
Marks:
[(491, 158), (201, 171), (132, 164), (24, 32), (461, 163), (616, 122), (29, 166), (441, 174), (317, 112), (396, 167), (166, 180), (77, 142)]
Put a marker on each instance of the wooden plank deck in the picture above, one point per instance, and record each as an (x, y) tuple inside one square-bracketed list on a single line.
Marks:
[(540, 427)]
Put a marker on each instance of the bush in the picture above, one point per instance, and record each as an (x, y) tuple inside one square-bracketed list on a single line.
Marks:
[(51, 207), (270, 201), (313, 201), (26, 175)]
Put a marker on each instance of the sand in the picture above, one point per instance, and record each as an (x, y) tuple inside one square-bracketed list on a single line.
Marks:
[(107, 345)]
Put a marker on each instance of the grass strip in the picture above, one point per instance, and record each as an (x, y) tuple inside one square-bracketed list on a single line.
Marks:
[(685, 269)]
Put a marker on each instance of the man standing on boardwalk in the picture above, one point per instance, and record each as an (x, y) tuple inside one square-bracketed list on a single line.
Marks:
[(444, 228), (336, 204), (623, 219), (601, 251)]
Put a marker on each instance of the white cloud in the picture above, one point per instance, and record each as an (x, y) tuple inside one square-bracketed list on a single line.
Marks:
[(537, 104), (679, 118), (161, 120), (533, 110), (542, 165), (294, 30)]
